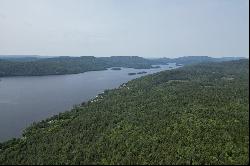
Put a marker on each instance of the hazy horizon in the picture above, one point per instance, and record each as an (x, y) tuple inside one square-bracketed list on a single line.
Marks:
[(145, 28), (49, 56)]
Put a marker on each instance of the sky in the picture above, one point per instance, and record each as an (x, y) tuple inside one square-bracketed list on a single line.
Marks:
[(147, 28)]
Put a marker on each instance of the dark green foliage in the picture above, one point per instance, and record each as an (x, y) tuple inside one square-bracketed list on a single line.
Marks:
[(192, 115)]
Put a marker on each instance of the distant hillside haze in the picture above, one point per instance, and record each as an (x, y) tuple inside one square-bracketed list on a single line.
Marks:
[(23, 58), (39, 66), (194, 59)]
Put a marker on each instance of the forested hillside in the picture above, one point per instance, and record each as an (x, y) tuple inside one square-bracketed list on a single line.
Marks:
[(37, 66), (67, 65), (196, 114)]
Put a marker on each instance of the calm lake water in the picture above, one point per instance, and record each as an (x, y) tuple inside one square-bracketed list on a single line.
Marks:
[(24, 100)]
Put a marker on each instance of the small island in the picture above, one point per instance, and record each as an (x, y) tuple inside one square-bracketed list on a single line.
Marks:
[(142, 72), (116, 68), (131, 74), (156, 67)]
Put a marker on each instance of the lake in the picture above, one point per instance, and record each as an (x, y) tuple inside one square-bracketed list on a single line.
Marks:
[(24, 100)]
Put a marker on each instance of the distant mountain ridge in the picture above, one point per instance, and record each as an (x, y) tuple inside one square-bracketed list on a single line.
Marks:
[(194, 59), (38, 65), (23, 58)]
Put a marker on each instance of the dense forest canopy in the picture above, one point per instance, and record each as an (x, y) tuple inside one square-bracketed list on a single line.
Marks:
[(197, 114), (36, 66)]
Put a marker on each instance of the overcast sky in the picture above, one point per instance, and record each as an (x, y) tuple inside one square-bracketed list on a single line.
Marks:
[(148, 28)]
